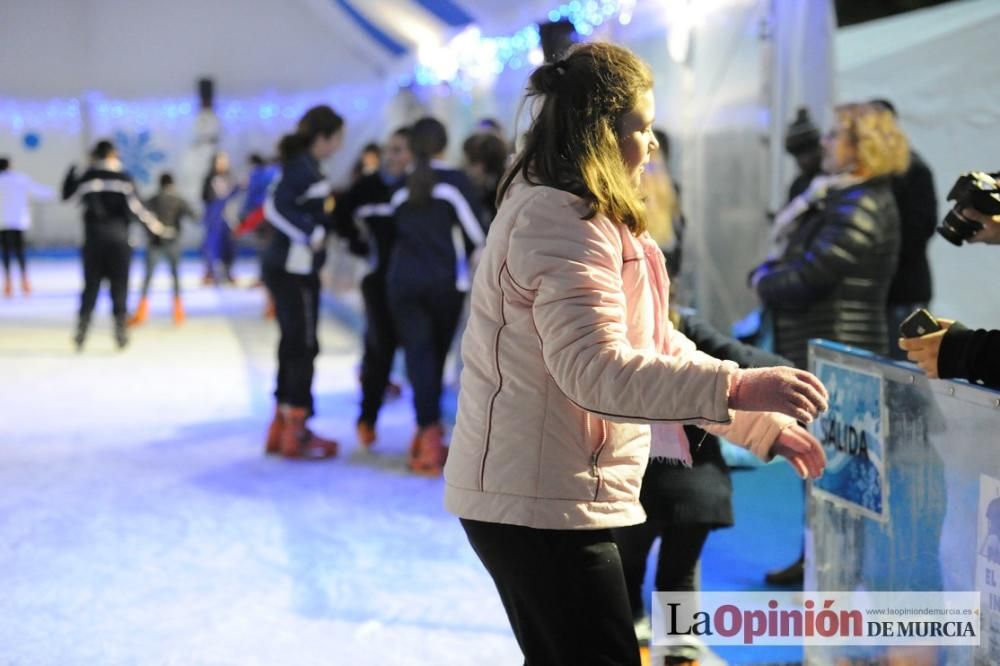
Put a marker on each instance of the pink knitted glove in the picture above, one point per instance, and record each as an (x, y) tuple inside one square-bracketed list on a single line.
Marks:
[(801, 450), (788, 391)]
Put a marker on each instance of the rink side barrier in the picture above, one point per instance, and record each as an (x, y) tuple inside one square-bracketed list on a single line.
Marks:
[(910, 499)]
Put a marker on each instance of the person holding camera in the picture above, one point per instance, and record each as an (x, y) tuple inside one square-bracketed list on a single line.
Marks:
[(955, 351)]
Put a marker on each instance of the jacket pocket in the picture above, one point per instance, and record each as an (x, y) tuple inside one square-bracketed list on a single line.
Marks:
[(595, 456)]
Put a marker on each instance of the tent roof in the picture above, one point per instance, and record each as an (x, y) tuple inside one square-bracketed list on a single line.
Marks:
[(65, 48)]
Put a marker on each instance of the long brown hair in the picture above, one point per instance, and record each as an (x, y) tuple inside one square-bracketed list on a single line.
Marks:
[(573, 143)]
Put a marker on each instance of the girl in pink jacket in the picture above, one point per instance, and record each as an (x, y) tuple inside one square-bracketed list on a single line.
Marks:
[(573, 375)]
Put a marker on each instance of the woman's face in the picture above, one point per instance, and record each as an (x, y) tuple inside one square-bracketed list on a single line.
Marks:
[(636, 135), (839, 153), (325, 146)]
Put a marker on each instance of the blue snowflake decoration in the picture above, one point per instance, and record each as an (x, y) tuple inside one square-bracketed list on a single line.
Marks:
[(138, 154)]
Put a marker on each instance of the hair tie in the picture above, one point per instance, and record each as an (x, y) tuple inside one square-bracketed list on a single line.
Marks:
[(561, 66)]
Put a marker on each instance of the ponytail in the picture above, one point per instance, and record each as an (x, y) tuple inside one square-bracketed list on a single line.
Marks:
[(428, 137), (291, 145)]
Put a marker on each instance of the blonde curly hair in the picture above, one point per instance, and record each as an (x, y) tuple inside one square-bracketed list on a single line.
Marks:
[(881, 147)]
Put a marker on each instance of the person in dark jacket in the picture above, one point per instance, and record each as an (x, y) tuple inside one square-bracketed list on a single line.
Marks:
[(109, 203), (918, 217), (802, 142), (684, 504), (957, 351), (832, 278), (368, 202), (299, 210), (170, 208), (437, 229)]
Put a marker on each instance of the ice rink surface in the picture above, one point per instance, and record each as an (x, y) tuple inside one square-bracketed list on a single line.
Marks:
[(140, 522)]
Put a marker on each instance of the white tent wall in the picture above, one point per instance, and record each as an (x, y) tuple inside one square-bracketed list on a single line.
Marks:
[(749, 65), (940, 69)]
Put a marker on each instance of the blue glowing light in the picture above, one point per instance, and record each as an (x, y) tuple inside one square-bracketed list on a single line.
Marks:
[(32, 140)]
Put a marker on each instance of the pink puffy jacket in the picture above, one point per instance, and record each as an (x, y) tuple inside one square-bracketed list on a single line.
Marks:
[(562, 377)]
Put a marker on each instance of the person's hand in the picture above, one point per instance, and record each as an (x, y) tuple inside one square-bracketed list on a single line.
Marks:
[(990, 233), (795, 393), (802, 451), (317, 239), (924, 350)]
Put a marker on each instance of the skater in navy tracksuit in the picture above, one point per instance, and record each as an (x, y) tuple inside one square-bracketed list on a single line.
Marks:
[(437, 229), (299, 210), (368, 203), (110, 203)]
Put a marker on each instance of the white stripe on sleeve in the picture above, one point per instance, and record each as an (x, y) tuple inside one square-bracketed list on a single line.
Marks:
[(281, 223), (321, 189), (463, 210), (374, 210), (401, 196)]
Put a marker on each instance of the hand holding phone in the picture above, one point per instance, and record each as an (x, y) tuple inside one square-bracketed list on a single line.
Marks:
[(918, 324)]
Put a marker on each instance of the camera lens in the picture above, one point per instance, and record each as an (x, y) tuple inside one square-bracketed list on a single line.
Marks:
[(957, 229)]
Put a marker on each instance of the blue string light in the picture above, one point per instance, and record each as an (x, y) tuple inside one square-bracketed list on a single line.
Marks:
[(19, 115), (469, 49)]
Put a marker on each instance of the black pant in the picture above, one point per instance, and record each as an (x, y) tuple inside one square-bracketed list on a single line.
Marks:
[(677, 566), (12, 242), (380, 347), (105, 259), (563, 591), (296, 307), (171, 250), (425, 321)]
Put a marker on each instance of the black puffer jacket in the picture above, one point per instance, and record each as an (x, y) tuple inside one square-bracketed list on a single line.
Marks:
[(833, 279)]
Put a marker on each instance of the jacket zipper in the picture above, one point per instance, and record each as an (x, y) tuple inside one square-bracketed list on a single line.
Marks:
[(594, 458)]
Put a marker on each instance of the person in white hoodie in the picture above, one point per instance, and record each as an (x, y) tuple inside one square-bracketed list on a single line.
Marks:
[(17, 191)]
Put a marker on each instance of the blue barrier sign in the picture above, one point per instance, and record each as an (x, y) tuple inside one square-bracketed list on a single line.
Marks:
[(853, 432)]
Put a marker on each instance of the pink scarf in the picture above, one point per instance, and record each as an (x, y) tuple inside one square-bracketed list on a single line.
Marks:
[(668, 440)]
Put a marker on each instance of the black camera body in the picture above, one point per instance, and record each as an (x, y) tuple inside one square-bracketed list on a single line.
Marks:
[(977, 190)]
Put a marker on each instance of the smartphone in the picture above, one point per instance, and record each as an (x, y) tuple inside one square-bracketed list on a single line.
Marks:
[(920, 322)]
